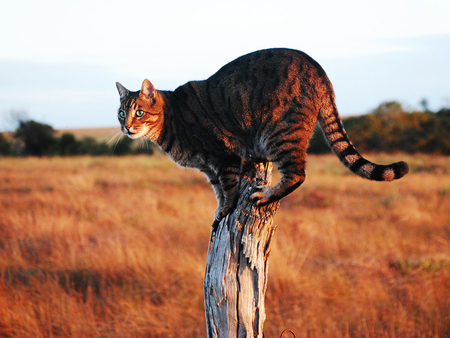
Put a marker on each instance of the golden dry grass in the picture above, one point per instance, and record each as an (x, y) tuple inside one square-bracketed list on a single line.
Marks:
[(116, 247)]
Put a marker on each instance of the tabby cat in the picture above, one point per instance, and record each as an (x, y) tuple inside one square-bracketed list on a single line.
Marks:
[(262, 106)]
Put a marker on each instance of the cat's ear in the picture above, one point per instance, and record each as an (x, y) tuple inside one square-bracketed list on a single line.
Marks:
[(123, 92), (148, 90)]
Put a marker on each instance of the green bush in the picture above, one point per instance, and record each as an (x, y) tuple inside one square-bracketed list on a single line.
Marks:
[(5, 146), (37, 139)]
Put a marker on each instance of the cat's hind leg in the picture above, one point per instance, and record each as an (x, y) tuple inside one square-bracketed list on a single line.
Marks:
[(289, 156), (287, 184)]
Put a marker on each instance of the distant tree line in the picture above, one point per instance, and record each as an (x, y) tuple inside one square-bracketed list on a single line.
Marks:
[(389, 128), (32, 138)]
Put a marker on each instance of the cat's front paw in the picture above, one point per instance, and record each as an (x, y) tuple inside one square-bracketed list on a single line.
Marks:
[(221, 213), (261, 196), (215, 226)]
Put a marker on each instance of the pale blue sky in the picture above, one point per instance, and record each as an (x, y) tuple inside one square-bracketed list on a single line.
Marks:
[(59, 60)]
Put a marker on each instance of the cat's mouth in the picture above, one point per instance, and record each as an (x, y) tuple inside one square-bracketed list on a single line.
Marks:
[(130, 133), (133, 134)]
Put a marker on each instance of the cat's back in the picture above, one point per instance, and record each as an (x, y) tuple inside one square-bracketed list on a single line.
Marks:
[(259, 82), (268, 63)]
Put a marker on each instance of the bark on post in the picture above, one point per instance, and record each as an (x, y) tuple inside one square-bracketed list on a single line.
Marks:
[(237, 264)]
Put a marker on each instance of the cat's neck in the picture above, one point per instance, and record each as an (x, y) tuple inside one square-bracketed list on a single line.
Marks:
[(168, 139), (164, 129), (167, 97), (163, 104)]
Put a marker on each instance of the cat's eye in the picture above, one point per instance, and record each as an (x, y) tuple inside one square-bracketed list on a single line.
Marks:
[(122, 114), (139, 113)]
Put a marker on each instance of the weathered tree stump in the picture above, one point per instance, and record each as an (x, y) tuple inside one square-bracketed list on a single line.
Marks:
[(237, 264)]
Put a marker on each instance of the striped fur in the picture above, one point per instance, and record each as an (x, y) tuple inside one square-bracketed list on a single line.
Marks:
[(262, 106)]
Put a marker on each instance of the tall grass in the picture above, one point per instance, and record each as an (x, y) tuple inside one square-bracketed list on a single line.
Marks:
[(116, 247)]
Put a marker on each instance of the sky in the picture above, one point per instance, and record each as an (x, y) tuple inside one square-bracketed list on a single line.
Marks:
[(59, 60)]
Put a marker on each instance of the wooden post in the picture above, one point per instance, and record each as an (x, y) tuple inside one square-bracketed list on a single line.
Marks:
[(237, 264)]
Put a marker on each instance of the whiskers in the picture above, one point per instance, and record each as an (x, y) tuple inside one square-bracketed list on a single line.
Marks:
[(116, 137), (113, 135), (128, 146)]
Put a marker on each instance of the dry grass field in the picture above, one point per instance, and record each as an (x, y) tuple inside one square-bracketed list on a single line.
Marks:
[(116, 247)]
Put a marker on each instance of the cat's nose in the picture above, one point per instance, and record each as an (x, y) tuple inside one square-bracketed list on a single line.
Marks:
[(129, 131)]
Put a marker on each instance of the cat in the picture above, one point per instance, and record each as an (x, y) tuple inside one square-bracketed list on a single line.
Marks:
[(263, 106)]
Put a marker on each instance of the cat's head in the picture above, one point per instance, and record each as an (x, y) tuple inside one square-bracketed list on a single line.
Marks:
[(141, 113)]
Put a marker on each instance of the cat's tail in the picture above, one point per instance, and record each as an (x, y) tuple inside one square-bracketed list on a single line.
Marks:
[(341, 145)]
